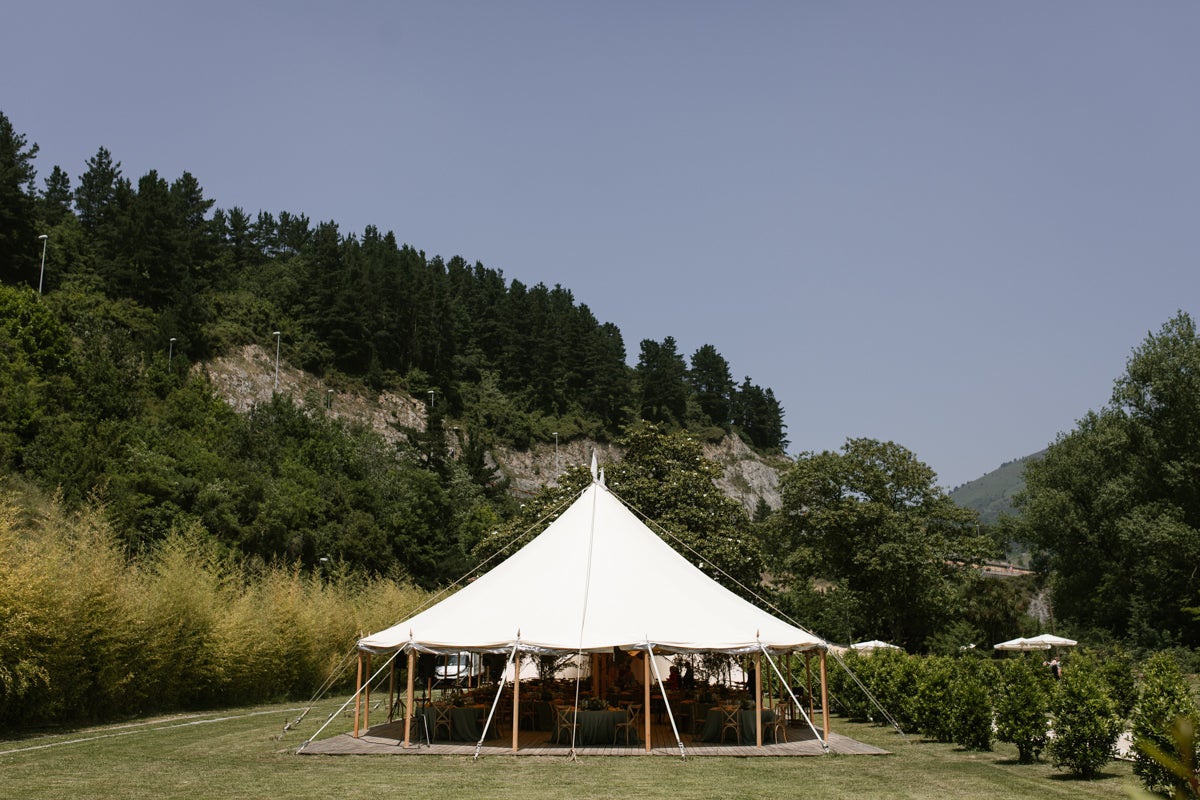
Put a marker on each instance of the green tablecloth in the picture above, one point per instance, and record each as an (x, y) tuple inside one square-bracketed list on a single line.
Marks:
[(714, 720), (466, 723), (596, 727)]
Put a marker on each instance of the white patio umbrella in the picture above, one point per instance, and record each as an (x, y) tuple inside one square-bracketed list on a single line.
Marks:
[(1052, 640), (873, 645), (1021, 644)]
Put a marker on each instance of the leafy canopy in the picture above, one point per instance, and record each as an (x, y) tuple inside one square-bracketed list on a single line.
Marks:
[(1114, 505), (872, 518)]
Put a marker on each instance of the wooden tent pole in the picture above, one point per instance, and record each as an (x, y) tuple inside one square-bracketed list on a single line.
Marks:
[(758, 706), (824, 699), (808, 681), (516, 725), (358, 693), (790, 682), (408, 701), (646, 695), (367, 697), (391, 690)]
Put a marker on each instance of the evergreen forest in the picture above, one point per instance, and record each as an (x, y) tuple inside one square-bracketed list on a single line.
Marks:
[(113, 287)]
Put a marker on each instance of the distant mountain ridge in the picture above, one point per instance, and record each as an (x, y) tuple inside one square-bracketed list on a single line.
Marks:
[(991, 495)]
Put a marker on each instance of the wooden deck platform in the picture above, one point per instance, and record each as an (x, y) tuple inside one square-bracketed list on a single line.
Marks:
[(388, 738)]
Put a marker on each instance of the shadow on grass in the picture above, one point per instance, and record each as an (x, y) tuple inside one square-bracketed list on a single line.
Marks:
[(1070, 777)]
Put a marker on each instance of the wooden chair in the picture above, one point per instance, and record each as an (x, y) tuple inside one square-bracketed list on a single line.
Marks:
[(564, 723), (441, 719), (778, 724), (529, 715), (501, 721), (630, 725), (731, 720)]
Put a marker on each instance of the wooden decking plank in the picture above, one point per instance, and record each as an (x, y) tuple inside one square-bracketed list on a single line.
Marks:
[(387, 739)]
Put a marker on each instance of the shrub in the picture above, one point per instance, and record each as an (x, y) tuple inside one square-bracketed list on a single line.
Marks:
[(934, 698), (1165, 699), (1086, 725), (895, 685), (1023, 706), (971, 703), (1117, 669), (844, 684)]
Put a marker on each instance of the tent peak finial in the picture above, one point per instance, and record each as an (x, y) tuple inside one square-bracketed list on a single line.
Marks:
[(595, 474)]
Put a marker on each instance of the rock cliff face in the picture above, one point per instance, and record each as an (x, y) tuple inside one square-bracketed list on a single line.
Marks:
[(747, 475), (247, 377)]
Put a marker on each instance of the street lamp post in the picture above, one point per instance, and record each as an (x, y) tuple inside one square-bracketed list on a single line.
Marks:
[(44, 237), (276, 335), (429, 425), (170, 353)]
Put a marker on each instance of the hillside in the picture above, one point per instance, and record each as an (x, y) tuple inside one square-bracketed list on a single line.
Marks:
[(991, 495), (247, 377)]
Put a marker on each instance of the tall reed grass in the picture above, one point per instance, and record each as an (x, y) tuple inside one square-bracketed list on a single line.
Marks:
[(88, 634)]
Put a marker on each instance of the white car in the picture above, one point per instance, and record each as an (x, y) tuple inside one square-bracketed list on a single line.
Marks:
[(459, 668)]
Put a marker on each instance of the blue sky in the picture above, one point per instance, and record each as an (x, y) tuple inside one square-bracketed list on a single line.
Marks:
[(946, 224)]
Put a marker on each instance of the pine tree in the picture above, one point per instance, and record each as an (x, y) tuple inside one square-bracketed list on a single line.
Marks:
[(661, 375), (56, 197), (712, 385), (97, 191), (20, 249)]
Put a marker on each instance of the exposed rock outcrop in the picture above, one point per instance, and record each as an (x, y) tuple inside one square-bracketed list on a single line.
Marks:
[(247, 377)]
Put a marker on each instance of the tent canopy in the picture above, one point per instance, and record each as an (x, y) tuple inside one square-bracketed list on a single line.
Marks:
[(596, 579)]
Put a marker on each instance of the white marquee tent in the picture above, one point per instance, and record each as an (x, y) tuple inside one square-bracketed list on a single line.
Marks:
[(596, 579)]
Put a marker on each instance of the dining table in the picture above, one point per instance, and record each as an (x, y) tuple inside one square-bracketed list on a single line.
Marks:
[(466, 722), (596, 727), (714, 722)]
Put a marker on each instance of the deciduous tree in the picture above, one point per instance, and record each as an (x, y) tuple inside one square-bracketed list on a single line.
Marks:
[(1114, 505), (872, 517)]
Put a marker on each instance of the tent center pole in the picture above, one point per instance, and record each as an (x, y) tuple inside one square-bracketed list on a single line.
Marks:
[(516, 725), (758, 707), (646, 694)]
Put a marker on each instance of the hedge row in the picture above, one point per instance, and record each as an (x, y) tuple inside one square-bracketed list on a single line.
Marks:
[(1076, 720)]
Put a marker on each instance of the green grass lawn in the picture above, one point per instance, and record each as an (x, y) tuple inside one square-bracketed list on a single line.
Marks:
[(244, 753)]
